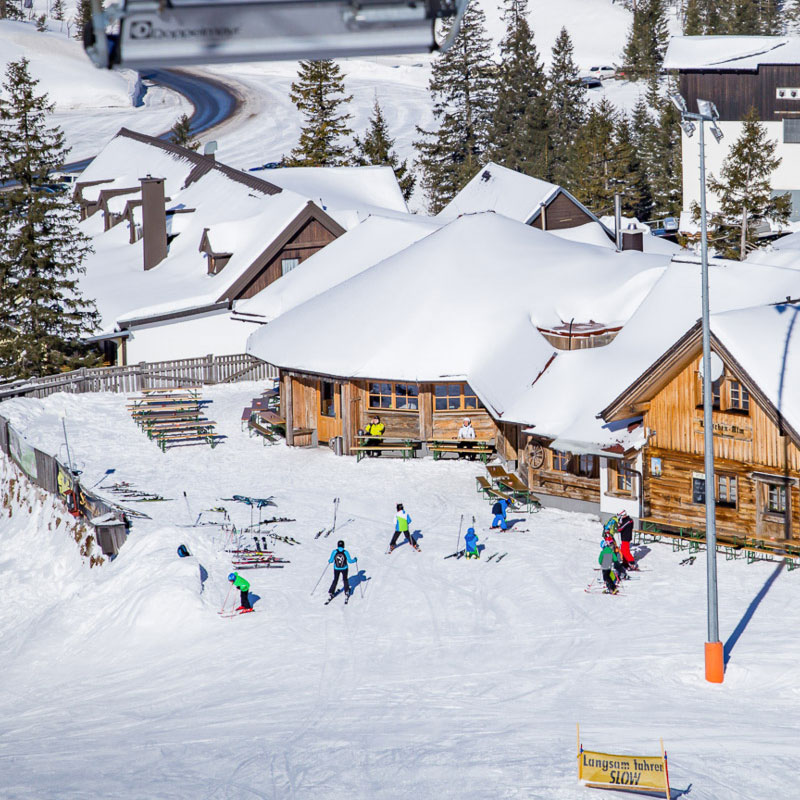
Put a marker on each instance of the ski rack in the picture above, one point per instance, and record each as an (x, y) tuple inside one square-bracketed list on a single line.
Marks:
[(140, 34)]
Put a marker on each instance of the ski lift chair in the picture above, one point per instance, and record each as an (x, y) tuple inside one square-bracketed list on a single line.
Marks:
[(147, 33)]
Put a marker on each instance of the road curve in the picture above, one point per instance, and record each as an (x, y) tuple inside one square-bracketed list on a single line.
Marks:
[(213, 103)]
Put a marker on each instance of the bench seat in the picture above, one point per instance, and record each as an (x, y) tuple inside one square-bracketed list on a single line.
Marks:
[(362, 451)]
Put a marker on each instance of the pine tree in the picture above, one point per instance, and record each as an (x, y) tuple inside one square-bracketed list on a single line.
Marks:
[(567, 97), (41, 23), (42, 315), (518, 131), (461, 88), (181, 134), (634, 184), (83, 16), (319, 94), (378, 148), (743, 191), (11, 9), (647, 38), (58, 10), (693, 19), (665, 162)]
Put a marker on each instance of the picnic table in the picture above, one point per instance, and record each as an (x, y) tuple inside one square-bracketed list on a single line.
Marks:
[(405, 446), (268, 425), (467, 447)]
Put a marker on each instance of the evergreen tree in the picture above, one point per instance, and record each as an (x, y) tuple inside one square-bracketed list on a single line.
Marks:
[(743, 191), (599, 159), (693, 23), (665, 161), (41, 23), (461, 88), (378, 148), (42, 315), (647, 38), (11, 9), (319, 94), (181, 134), (518, 131), (83, 16), (634, 184), (567, 97), (58, 10)]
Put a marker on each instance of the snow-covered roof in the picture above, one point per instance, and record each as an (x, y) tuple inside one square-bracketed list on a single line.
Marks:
[(461, 303), (578, 384), (765, 341), (730, 52), (505, 191), (348, 194), (783, 252), (594, 233), (375, 239)]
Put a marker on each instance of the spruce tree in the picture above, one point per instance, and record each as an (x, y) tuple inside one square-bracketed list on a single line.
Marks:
[(319, 95), (647, 39), (58, 10), (461, 88), (41, 23), (83, 16), (377, 147), (693, 24), (744, 193), (42, 315), (518, 131), (634, 184), (567, 97), (181, 134), (11, 9)]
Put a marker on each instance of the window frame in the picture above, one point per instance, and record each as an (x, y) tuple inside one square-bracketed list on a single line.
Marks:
[(731, 482), (619, 470), (322, 399), (743, 398), (782, 493), (560, 461), (407, 396), (467, 400), (285, 271)]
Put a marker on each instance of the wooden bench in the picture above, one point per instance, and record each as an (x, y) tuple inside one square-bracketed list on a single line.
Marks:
[(201, 426), (462, 447), (186, 438), (267, 433), (496, 472), (406, 447), (492, 492), (519, 491)]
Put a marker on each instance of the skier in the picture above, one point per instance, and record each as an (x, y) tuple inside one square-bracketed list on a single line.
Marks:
[(401, 525), (499, 510), (471, 544), (607, 560), (620, 568), (625, 528), (244, 587), (340, 558)]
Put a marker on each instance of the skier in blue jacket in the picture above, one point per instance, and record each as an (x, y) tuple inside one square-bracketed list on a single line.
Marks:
[(471, 544), (340, 558), (499, 510)]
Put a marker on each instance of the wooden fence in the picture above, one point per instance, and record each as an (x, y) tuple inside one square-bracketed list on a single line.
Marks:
[(135, 377)]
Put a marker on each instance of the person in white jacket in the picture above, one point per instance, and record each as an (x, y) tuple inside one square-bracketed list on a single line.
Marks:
[(466, 437)]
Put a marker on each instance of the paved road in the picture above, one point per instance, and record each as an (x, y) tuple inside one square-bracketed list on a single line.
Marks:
[(213, 103)]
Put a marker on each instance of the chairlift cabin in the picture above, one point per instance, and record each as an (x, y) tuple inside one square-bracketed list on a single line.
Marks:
[(142, 33)]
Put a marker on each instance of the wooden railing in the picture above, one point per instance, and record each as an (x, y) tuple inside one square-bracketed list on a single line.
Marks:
[(144, 375)]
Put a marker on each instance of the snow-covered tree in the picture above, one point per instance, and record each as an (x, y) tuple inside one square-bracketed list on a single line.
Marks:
[(83, 16), (744, 193), (11, 9), (518, 132), (461, 88), (42, 314), (58, 10), (377, 147), (567, 101), (647, 38), (319, 95), (181, 134)]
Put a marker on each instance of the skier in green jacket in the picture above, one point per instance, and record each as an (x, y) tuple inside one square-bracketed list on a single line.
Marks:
[(607, 559), (244, 587)]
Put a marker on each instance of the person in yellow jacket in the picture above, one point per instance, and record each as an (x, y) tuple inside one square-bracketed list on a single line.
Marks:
[(375, 430)]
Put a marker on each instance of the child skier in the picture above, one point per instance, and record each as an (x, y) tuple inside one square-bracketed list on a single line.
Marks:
[(620, 568), (340, 558), (471, 544), (499, 510), (401, 525), (244, 587), (607, 559), (625, 528)]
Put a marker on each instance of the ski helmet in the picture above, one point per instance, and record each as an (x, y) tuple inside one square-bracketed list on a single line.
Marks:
[(340, 543), (232, 576), (470, 530)]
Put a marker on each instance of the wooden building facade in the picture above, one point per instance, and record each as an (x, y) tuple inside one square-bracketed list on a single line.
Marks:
[(756, 456)]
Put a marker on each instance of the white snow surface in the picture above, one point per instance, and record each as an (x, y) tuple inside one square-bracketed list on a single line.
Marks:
[(730, 52), (441, 308), (375, 239), (446, 678)]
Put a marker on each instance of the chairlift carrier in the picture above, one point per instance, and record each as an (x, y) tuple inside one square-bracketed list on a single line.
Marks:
[(141, 34)]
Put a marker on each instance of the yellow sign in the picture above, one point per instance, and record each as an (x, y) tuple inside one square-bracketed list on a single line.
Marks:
[(623, 773)]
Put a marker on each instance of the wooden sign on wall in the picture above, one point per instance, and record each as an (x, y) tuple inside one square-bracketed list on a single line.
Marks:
[(726, 430)]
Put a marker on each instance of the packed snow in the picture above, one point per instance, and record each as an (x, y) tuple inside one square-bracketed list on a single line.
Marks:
[(444, 678)]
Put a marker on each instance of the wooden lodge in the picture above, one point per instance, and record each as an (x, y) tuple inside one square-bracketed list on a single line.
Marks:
[(756, 457)]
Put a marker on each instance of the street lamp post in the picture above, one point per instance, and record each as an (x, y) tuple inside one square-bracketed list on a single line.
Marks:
[(714, 653)]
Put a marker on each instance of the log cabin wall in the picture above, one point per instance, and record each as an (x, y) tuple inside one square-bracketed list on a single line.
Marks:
[(747, 447), (305, 398), (561, 483), (561, 213)]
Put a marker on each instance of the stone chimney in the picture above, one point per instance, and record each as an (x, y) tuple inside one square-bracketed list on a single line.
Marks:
[(154, 221), (632, 238)]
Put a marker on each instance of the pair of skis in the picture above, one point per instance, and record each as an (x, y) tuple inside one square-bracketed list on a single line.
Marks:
[(334, 596), (330, 530), (235, 613), (498, 560)]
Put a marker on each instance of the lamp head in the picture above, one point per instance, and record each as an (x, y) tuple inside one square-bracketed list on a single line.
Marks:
[(716, 132), (688, 128), (678, 101), (708, 109)]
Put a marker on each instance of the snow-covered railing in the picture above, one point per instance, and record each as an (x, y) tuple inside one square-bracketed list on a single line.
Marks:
[(146, 375)]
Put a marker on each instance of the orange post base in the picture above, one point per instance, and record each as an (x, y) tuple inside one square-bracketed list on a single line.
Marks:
[(715, 662)]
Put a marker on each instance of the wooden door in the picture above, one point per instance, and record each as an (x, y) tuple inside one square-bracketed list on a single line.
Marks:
[(773, 508), (329, 410)]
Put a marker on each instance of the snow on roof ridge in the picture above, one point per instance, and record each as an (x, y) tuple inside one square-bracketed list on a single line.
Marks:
[(697, 52)]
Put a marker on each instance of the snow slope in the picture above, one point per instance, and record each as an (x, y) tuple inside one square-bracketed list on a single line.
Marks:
[(447, 679)]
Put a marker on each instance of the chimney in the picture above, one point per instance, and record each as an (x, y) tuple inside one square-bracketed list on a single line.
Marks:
[(154, 221), (633, 238)]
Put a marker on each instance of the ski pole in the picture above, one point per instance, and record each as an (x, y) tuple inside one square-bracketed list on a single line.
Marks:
[(361, 582), (319, 579), (188, 508), (460, 524), (226, 599), (335, 509)]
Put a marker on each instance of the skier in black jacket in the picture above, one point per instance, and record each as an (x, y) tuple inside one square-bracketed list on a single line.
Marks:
[(625, 529), (340, 558)]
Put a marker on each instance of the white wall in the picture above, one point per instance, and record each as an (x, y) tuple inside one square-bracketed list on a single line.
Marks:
[(786, 177), (189, 337), (611, 504)]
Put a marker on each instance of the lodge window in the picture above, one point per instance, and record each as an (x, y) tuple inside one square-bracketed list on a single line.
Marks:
[(727, 395), (327, 405), (776, 499), (561, 461), (620, 477), (288, 264), (738, 397), (455, 397), (727, 491), (585, 466), (398, 396), (699, 490)]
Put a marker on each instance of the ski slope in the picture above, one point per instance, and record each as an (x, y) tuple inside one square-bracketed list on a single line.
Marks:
[(444, 679)]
